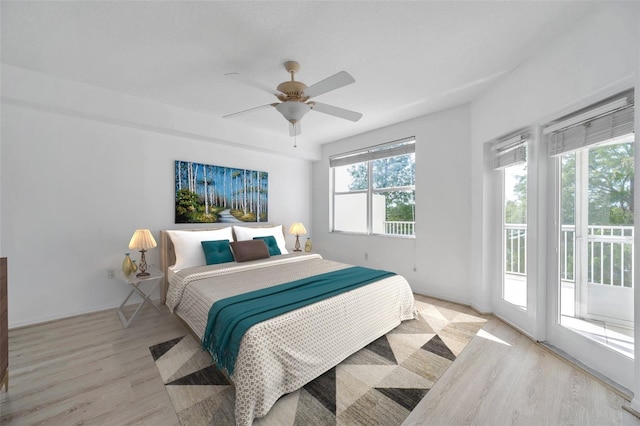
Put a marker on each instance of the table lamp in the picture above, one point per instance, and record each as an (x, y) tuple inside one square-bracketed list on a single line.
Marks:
[(297, 229), (142, 240)]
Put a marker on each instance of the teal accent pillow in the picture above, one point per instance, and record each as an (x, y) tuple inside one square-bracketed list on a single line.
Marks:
[(217, 251), (272, 245)]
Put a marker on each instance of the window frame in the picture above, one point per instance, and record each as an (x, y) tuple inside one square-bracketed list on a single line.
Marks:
[(406, 146)]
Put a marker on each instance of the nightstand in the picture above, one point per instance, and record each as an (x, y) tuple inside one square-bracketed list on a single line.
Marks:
[(136, 287)]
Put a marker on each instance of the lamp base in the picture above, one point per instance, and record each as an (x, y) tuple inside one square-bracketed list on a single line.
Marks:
[(143, 266)]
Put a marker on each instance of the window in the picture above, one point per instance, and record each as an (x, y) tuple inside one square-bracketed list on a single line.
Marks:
[(510, 157), (373, 190)]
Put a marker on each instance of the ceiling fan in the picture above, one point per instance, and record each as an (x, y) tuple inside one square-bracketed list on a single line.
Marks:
[(295, 97)]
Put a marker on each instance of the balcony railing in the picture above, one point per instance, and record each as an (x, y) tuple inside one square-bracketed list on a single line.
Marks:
[(516, 248), (609, 253), (399, 228)]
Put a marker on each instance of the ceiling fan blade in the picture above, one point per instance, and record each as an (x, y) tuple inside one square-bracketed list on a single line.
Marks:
[(249, 110), (336, 81), (295, 130), (252, 83), (336, 111)]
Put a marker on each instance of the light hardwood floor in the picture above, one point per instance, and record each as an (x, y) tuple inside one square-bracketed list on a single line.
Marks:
[(89, 370), (504, 378)]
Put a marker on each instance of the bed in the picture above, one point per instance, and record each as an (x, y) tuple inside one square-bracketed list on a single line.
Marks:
[(281, 354)]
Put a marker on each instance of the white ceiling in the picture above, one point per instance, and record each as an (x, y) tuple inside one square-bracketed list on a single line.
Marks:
[(408, 58)]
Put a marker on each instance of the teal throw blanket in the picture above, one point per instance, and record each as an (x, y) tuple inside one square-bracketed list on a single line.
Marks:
[(230, 318)]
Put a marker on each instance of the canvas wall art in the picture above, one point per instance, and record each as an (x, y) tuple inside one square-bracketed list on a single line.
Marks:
[(216, 194)]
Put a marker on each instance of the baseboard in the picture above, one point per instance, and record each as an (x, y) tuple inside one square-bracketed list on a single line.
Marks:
[(480, 310), (521, 331), (93, 310), (444, 298), (631, 410)]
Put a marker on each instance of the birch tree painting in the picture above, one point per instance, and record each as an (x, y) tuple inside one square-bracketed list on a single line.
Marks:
[(207, 194)]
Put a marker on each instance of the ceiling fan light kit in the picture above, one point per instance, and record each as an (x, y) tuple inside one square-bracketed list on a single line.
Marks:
[(294, 97), (293, 111)]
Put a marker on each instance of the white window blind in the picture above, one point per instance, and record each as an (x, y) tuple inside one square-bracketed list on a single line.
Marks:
[(392, 149), (596, 125), (509, 152)]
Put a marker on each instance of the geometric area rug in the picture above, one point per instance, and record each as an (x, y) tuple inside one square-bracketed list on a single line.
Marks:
[(378, 385)]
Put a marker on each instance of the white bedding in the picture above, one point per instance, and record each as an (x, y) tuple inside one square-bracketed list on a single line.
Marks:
[(282, 354)]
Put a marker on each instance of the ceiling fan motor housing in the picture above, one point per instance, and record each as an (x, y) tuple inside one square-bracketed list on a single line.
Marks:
[(293, 91)]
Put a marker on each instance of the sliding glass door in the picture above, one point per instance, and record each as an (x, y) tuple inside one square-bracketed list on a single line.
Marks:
[(596, 242), (564, 234), (591, 315)]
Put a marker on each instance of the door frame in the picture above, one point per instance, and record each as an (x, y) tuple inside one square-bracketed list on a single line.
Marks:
[(529, 321)]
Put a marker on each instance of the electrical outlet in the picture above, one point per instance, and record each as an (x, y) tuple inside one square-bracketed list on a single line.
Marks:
[(111, 274)]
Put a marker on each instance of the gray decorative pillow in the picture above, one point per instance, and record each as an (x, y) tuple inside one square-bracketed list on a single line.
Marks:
[(249, 250)]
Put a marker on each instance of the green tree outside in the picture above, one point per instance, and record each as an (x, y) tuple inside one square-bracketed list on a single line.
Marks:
[(391, 172), (610, 203)]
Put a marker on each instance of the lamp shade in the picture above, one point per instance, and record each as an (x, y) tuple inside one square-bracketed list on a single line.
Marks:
[(142, 240), (297, 229)]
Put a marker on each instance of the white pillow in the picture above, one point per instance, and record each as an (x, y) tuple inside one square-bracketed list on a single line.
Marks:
[(189, 252), (244, 233)]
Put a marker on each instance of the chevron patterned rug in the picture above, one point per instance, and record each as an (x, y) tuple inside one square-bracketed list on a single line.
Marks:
[(378, 385)]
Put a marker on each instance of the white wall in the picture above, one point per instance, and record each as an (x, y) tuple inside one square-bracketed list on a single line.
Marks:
[(76, 185), (440, 251)]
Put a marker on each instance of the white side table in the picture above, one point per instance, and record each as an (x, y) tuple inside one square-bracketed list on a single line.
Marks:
[(135, 283)]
